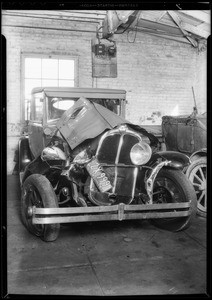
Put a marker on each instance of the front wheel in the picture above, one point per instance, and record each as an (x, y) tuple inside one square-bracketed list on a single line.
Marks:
[(172, 186), (37, 191)]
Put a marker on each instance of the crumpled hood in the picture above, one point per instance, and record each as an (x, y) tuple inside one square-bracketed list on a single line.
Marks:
[(85, 120)]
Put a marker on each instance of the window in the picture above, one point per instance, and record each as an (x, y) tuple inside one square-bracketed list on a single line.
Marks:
[(41, 71), (37, 107), (57, 106)]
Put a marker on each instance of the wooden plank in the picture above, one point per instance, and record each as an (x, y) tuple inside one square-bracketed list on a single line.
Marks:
[(161, 16), (88, 12), (61, 15), (197, 14), (177, 20), (159, 27), (195, 30), (165, 35), (84, 13)]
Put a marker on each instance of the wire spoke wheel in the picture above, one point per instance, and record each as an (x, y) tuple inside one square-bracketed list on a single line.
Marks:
[(197, 174)]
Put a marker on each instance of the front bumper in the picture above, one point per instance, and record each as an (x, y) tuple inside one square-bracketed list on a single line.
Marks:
[(108, 213)]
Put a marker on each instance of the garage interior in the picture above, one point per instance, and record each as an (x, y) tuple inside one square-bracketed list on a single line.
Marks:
[(160, 58)]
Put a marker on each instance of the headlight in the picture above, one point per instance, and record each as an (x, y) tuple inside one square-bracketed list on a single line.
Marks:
[(82, 157), (52, 153), (140, 153)]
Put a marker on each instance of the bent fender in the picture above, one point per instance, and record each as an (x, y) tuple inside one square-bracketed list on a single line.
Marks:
[(176, 159)]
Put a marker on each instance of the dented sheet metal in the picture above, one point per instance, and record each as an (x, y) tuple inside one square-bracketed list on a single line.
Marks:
[(82, 122)]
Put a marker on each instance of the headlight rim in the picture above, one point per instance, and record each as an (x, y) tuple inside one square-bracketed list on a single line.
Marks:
[(148, 153)]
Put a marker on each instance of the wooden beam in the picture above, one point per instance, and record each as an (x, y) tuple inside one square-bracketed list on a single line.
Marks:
[(56, 13), (147, 24), (180, 39), (161, 16), (197, 14), (178, 21), (195, 30)]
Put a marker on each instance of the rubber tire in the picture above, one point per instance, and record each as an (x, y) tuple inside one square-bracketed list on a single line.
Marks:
[(49, 200), (183, 183), (194, 164)]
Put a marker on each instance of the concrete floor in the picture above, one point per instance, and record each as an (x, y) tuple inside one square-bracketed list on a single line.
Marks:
[(104, 258)]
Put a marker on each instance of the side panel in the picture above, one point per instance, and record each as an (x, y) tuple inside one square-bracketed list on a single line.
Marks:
[(24, 154), (184, 134), (36, 138)]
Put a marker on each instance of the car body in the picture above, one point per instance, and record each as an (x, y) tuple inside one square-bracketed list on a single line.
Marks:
[(83, 161), (188, 134)]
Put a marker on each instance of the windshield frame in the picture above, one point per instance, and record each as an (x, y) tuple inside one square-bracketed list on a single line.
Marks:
[(49, 118), (119, 109)]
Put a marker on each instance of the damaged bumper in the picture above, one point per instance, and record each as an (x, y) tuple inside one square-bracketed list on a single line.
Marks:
[(102, 213)]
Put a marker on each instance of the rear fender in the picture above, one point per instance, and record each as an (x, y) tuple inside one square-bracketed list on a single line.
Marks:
[(175, 159), (197, 154)]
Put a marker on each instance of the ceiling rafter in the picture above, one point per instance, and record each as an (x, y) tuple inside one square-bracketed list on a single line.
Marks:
[(161, 16), (195, 30), (36, 16), (199, 15), (178, 21), (54, 13), (192, 26)]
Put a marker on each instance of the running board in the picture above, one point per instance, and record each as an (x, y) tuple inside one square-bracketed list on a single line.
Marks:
[(108, 213)]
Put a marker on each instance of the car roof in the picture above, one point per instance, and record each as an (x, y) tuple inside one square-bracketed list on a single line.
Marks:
[(79, 92)]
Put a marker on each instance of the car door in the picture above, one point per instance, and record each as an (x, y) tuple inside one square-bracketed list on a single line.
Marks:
[(36, 134)]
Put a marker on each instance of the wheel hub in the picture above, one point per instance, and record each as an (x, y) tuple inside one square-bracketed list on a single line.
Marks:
[(162, 195), (29, 212)]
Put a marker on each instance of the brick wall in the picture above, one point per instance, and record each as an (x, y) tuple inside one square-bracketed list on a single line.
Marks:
[(200, 83), (158, 74)]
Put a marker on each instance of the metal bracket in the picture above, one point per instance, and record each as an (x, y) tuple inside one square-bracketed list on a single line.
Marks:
[(121, 211), (150, 181)]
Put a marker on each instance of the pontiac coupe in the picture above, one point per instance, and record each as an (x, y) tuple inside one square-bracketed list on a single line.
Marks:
[(82, 161)]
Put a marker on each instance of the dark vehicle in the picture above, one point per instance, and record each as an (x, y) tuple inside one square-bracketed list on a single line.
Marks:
[(82, 161), (188, 134)]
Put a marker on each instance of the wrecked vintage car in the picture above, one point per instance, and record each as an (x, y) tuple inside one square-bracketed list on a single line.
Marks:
[(188, 134), (83, 161)]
